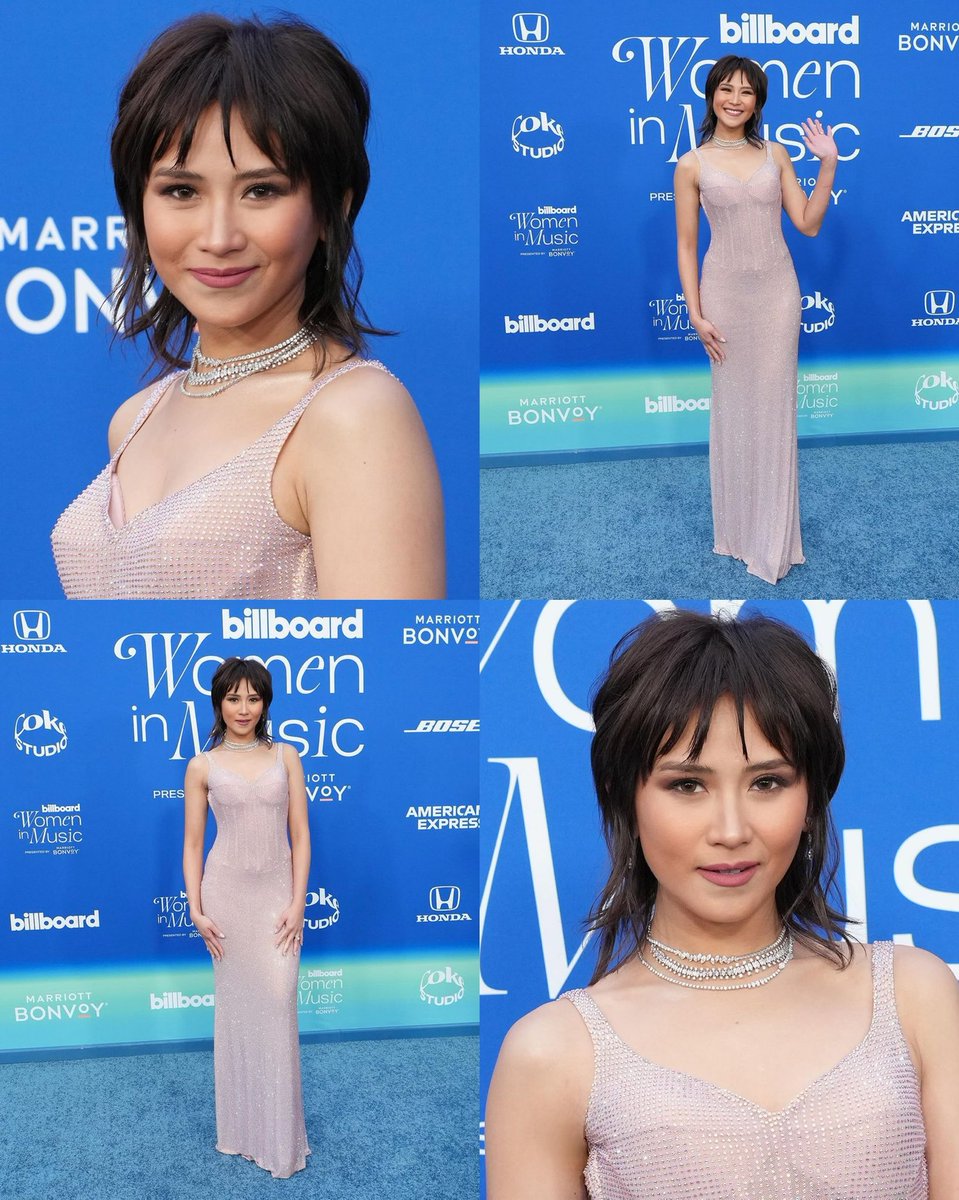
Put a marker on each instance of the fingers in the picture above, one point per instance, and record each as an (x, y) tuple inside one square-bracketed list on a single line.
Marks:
[(713, 342)]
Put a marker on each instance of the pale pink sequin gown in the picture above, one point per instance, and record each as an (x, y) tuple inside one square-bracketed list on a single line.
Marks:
[(750, 293), (218, 538), (247, 883), (855, 1133)]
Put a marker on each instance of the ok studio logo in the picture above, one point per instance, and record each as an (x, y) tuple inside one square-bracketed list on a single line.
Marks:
[(538, 136), (530, 27)]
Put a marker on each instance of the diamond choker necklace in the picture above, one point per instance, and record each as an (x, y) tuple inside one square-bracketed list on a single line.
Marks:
[(728, 143), (210, 376), (691, 970), (245, 747)]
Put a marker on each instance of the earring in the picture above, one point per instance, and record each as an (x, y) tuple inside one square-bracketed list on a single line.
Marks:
[(808, 848)]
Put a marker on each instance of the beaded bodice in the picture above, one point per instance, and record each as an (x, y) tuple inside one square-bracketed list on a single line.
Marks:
[(251, 815), (745, 215), (219, 537), (855, 1133)]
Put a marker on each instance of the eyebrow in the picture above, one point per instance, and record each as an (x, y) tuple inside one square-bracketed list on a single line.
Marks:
[(183, 173), (693, 768)]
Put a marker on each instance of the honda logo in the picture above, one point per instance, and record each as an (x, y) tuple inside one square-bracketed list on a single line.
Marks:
[(445, 897), (940, 303), (32, 624), (530, 27)]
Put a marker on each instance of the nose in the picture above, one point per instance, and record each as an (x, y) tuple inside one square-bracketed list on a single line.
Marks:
[(730, 824), (222, 229)]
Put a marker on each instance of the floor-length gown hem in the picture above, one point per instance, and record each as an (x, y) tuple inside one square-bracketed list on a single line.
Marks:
[(752, 569), (276, 1173)]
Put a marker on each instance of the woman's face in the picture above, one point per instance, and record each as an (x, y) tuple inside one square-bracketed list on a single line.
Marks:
[(734, 100), (719, 832), (231, 240), (241, 710)]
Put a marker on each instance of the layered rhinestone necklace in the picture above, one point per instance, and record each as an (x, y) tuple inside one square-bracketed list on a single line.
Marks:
[(210, 376), (242, 747), (728, 143), (692, 970)]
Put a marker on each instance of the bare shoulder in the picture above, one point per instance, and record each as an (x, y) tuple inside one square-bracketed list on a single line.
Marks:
[(197, 769), (365, 401), (547, 1038), (923, 978), (687, 167), (289, 754), (780, 154), (126, 414)]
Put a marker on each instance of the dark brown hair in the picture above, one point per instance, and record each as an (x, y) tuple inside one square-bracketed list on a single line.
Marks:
[(754, 75), (228, 676), (667, 675), (304, 106)]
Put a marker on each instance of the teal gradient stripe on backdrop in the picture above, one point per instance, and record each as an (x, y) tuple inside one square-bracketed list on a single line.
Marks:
[(570, 410)]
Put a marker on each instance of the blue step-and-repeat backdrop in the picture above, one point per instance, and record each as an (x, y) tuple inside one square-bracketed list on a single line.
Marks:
[(586, 344), (61, 241), (104, 705), (543, 859)]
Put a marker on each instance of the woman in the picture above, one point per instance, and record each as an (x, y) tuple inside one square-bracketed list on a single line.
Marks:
[(746, 310), (734, 1041), (247, 904), (282, 463)]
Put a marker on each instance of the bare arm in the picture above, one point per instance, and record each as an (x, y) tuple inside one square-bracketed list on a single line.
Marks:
[(535, 1146), (369, 491), (290, 927), (927, 994), (195, 808), (808, 212), (686, 193)]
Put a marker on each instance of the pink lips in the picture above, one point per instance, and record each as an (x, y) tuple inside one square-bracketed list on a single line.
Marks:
[(222, 278), (729, 874)]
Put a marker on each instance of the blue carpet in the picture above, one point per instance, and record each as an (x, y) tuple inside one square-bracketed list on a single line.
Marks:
[(387, 1120), (877, 521)]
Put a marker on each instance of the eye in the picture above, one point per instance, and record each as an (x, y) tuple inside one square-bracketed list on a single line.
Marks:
[(770, 783), (179, 191), (686, 787), (265, 191)]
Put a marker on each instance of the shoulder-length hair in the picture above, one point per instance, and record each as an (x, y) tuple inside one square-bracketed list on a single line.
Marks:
[(228, 676), (304, 106), (665, 677), (754, 75)]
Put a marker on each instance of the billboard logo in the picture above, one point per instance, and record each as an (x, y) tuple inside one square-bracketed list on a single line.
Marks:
[(530, 27), (181, 1000), (940, 303), (262, 623), (764, 29), (442, 987), (38, 922), (39, 734), (936, 392), (538, 136), (534, 323)]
